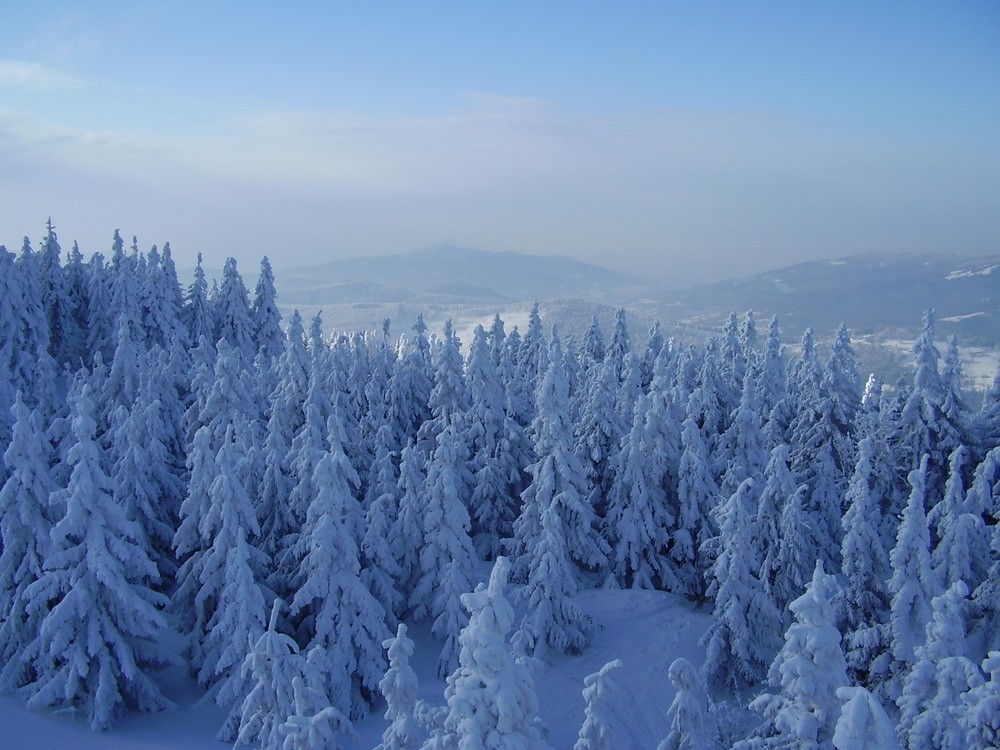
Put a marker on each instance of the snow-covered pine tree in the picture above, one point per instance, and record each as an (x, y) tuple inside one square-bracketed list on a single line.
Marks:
[(265, 319), (698, 494), (342, 616), (99, 639), (866, 570), (240, 620), (231, 313), (981, 708), (808, 670), (962, 552), (449, 397), (399, 687), (197, 314), (779, 486), (287, 413), (863, 723), (495, 475), (407, 530), (191, 543), (940, 675), (742, 639), (25, 528), (225, 599), (491, 696), (687, 711), (912, 585), (557, 479), (639, 521), (380, 569), (446, 554), (552, 618), (924, 426), (984, 500), (599, 730), (599, 432), (140, 458), (274, 663)]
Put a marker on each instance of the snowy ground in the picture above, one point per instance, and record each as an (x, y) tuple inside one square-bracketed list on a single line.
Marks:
[(647, 630)]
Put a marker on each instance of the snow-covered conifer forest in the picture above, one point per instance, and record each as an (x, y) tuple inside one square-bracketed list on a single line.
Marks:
[(363, 539)]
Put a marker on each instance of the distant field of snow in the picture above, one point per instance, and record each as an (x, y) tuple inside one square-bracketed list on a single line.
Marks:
[(647, 630), (979, 364), (966, 273)]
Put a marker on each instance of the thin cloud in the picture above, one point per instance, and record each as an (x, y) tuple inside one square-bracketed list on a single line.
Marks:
[(28, 76)]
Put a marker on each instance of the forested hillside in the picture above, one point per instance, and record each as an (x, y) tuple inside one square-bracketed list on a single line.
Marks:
[(183, 459)]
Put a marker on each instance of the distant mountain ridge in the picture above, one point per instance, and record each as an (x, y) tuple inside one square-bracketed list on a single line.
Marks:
[(868, 292), (871, 292), (449, 273)]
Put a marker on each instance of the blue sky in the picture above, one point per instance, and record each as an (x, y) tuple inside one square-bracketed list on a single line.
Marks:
[(691, 140)]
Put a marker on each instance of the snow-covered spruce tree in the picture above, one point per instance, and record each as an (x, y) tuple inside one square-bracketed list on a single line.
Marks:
[(822, 457), (240, 619), (342, 616), (446, 555), (698, 494), (140, 454), (449, 397), (984, 499), (197, 312), (733, 359), (779, 486), (962, 552), (380, 569), (274, 664), (599, 730), (940, 675), (981, 708), (415, 373), (25, 527), (639, 521), (912, 585), (552, 618), (795, 558), (772, 388), (495, 475), (226, 599), (687, 711), (592, 350), (310, 727), (742, 640), (121, 387), (407, 529), (231, 312), (265, 319), (924, 426), (557, 479), (307, 449), (99, 638), (742, 445), (399, 687), (191, 543), (286, 416), (863, 723), (490, 695), (599, 432), (808, 670), (865, 568), (655, 346), (55, 301), (33, 366)]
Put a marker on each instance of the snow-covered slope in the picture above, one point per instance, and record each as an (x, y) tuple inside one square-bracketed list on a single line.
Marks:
[(647, 630)]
